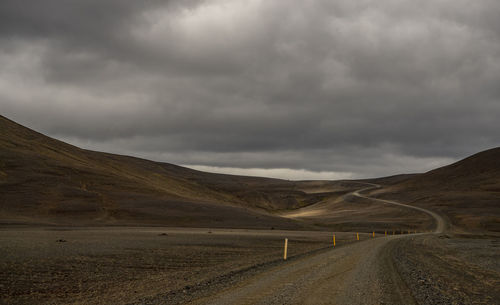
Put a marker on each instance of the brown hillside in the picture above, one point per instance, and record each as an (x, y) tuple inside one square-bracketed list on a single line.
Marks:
[(43, 180), (467, 192)]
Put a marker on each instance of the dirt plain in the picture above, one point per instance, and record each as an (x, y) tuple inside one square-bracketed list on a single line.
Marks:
[(124, 265), (401, 269), (450, 268)]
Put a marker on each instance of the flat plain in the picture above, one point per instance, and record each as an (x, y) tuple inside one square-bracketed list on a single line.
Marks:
[(116, 265)]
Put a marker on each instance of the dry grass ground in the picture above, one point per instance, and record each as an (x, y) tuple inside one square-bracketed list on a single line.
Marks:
[(121, 265)]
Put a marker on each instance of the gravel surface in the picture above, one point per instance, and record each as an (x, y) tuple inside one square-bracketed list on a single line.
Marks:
[(359, 273), (424, 269), (404, 269), (145, 266), (203, 289), (123, 265), (444, 269)]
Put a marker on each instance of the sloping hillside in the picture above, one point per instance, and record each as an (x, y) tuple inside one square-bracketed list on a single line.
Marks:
[(467, 192), (43, 180), (46, 181)]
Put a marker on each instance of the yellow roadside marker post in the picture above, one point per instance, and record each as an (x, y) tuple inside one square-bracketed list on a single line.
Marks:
[(373, 234), (286, 247), (357, 235), (334, 240)]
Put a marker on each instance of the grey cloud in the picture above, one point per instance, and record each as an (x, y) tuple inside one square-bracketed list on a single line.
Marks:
[(320, 85)]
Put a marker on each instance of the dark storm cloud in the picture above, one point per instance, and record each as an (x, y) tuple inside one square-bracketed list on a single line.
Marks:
[(363, 88)]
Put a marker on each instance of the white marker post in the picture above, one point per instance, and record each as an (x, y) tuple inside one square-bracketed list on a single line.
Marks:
[(286, 247)]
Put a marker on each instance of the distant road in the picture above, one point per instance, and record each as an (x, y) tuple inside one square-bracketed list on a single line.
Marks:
[(440, 223), (358, 273)]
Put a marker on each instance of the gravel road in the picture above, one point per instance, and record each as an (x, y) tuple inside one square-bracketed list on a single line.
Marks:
[(361, 273), (440, 223), (401, 269)]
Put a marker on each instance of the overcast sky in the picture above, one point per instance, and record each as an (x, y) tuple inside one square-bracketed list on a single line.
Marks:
[(294, 89)]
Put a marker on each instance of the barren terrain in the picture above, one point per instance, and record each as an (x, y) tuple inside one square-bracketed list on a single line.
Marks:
[(392, 269), (44, 181), (85, 227), (467, 192), (120, 265)]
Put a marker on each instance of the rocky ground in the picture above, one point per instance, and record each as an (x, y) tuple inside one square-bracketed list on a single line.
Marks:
[(124, 265), (450, 269), (223, 266)]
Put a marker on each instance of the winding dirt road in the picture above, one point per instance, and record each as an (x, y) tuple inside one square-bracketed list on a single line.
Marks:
[(440, 223), (359, 273)]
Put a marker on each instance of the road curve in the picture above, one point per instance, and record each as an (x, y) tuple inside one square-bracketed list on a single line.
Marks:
[(440, 223), (358, 273)]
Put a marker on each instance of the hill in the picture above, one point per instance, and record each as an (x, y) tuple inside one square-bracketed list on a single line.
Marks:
[(467, 192), (46, 181)]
